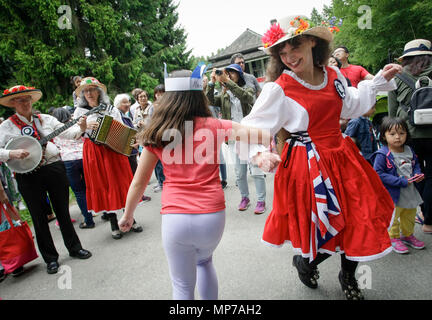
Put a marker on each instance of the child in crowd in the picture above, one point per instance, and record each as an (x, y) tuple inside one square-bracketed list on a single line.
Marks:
[(362, 132), (398, 167), (193, 203)]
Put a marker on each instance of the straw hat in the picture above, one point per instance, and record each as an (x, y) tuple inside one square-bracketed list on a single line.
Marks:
[(290, 27), (416, 47), (18, 91), (89, 81)]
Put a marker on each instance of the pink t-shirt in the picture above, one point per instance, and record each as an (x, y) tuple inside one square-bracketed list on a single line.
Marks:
[(191, 169), (354, 73)]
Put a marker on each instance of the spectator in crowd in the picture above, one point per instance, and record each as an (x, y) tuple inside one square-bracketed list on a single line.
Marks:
[(362, 132), (217, 114), (135, 93), (71, 152), (250, 79), (417, 62), (122, 103), (235, 102), (141, 116), (353, 72)]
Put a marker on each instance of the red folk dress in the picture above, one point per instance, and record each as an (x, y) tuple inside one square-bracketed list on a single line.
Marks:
[(327, 197), (107, 173)]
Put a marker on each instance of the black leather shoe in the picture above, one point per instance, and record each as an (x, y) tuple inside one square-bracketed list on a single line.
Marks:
[(81, 254), (307, 275), (52, 267)]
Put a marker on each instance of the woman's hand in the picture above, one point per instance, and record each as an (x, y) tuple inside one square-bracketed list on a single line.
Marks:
[(125, 223), (82, 122), (92, 125), (267, 161), (390, 70)]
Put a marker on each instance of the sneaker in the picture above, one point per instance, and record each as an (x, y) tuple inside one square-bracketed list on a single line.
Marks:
[(398, 246), (260, 207), (157, 189), (57, 223), (136, 227), (116, 234), (244, 204), (413, 242), (145, 199)]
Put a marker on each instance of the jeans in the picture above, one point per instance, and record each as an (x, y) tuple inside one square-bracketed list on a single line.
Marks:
[(222, 167), (75, 174), (159, 173), (241, 168)]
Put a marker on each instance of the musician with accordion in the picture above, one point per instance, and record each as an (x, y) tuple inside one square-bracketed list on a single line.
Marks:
[(26, 148), (107, 145)]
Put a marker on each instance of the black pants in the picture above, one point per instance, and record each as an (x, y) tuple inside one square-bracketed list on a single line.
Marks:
[(347, 266), (34, 187), (423, 149)]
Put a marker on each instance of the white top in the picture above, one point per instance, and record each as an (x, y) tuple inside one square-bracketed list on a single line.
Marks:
[(111, 111), (269, 110), (8, 131), (70, 149)]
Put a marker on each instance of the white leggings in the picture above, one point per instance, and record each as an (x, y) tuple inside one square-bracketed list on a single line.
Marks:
[(189, 241)]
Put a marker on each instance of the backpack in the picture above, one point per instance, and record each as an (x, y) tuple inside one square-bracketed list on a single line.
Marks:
[(420, 110)]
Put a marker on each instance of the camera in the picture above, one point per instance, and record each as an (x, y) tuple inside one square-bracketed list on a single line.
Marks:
[(218, 72)]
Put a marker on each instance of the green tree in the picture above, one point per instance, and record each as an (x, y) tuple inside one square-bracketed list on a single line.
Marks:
[(44, 43), (376, 32)]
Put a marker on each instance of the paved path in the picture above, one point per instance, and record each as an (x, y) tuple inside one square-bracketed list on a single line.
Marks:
[(135, 267)]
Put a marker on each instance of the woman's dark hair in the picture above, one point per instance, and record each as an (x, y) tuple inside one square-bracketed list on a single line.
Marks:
[(339, 63), (160, 88), (417, 64), (171, 112), (389, 123), (320, 54), (61, 114)]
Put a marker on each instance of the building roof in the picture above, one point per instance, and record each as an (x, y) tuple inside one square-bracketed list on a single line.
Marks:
[(248, 44)]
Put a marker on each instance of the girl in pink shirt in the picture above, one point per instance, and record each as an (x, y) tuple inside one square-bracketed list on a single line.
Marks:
[(185, 137)]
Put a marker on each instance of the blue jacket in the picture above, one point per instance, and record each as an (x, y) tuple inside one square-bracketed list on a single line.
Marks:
[(362, 130), (383, 163)]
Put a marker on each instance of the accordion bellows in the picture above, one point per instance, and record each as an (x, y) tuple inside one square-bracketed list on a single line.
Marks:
[(114, 135)]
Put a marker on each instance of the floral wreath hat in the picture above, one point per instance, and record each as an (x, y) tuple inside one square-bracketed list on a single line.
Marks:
[(89, 81), (290, 27), (18, 91)]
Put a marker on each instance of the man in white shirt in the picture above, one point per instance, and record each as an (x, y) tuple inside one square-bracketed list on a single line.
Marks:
[(48, 178)]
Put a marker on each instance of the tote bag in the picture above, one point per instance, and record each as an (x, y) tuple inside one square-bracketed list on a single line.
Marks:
[(16, 243)]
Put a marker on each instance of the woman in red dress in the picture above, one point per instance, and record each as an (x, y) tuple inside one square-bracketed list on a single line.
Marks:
[(327, 198), (107, 173)]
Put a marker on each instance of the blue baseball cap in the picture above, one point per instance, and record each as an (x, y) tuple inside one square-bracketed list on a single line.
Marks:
[(238, 68)]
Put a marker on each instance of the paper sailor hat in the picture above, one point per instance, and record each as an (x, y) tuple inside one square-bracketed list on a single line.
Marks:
[(192, 83)]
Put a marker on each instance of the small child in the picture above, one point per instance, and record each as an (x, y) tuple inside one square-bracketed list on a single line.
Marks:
[(398, 167), (362, 132)]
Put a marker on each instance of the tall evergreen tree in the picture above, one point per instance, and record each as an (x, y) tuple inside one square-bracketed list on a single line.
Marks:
[(122, 43)]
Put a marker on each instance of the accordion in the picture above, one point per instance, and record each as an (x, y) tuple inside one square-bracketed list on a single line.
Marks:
[(114, 134)]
